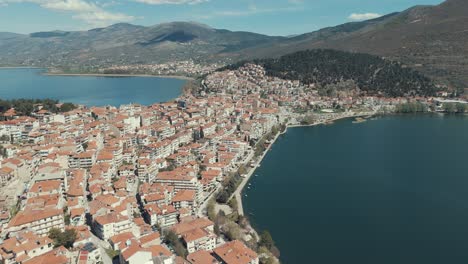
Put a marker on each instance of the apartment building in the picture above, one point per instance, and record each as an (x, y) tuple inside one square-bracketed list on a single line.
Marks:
[(109, 225), (39, 221)]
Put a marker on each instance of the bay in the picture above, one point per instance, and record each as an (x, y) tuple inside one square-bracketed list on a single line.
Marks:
[(87, 90), (390, 190)]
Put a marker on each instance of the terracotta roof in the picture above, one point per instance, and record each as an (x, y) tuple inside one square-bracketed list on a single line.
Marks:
[(158, 250), (184, 195), (235, 252), (149, 238), (110, 218), (132, 250), (184, 227), (122, 238), (46, 186), (29, 216), (57, 256), (201, 257)]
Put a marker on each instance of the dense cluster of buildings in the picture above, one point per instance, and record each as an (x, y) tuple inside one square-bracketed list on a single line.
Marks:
[(185, 68), (121, 176)]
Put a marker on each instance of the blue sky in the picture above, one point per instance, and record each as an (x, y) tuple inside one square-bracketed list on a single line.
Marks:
[(273, 17)]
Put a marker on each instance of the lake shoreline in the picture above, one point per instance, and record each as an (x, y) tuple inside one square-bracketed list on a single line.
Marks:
[(119, 75), (267, 184), (247, 178), (49, 73), (92, 91), (19, 67)]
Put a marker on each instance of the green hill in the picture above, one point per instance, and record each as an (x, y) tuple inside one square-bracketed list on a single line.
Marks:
[(369, 73)]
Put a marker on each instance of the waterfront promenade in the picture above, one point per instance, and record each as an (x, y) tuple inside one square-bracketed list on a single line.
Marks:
[(238, 193)]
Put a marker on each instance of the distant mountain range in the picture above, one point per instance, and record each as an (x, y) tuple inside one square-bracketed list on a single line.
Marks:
[(431, 39), (125, 44)]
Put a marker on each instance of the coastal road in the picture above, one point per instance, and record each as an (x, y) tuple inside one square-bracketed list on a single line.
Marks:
[(238, 192), (202, 209), (245, 180)]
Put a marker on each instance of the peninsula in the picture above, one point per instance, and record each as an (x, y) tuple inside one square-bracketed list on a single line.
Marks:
[(167, 177)]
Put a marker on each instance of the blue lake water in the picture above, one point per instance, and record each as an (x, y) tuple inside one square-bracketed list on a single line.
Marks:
[(387, 191), (87, 90)]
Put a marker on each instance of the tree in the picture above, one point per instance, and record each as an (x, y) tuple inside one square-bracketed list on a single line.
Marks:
[(54, 233), (267, 260), (243, 221), (67, 107), (173, 240), (67, 219), (112, 253), (450, 108), (242, 169), (266, 240), (180, 250), (222, 197), (217, 230), (413, 107), (28, 106), (266, 256), (461, 108), (210, 208), (65, 238), (232, 231)]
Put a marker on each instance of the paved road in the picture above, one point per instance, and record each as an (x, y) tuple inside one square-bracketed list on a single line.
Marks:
[(102, 245), (202, 208), (245, 180)]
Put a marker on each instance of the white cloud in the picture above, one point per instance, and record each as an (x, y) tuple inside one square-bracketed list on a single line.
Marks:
[(251, 10), (171, 2), (84, 10), (103, 18), (69, 5), (363, 16)]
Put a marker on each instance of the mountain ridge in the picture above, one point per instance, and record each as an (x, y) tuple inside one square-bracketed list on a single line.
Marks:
[(431, 39)]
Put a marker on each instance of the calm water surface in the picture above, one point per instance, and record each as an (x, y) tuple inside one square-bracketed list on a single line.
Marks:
[(391, 190), (30, 83)]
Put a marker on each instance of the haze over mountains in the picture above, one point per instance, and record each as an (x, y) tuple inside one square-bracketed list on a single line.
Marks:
[(432, 39)]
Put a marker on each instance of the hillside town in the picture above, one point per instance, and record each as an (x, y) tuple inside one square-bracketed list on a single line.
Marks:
[(154, 184), (185, 68)]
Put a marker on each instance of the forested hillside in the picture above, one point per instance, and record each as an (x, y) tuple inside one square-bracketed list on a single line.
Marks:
[(369, 73)]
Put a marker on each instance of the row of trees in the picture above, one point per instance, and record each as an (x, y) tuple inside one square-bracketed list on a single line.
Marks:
[(455, 108), (418, 107), (230, 185), (28, 106), (413, 107)]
